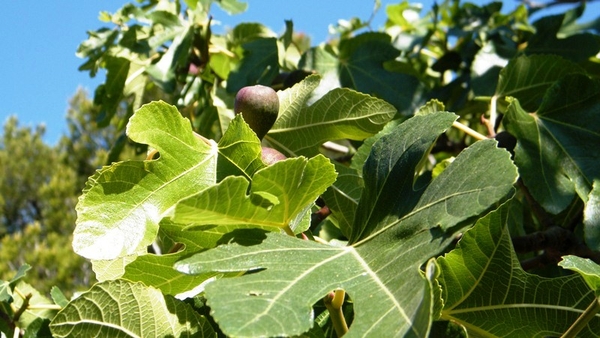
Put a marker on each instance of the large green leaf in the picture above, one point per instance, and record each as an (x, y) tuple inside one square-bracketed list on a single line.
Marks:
[(276, 198), (362, 67), (486, 290), (339, 114), (447, 199), (124, 309), (382, 268), (527, 78), (121, 206), (557, 152), (297, 273)]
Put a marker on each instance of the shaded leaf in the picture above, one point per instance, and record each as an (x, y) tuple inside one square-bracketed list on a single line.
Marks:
[(109, 310), (259, 65), (110, 93), (527, 78), (341, 113), (122, 204), (165, 70), (556, 151), (342, 197), (576, 47), (486, 290), (362, 68), (447, 199)]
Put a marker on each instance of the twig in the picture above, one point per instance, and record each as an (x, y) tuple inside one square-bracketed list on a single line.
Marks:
[(469, 131)]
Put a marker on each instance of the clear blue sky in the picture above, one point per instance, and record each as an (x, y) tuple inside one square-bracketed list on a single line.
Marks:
[(39, 67)]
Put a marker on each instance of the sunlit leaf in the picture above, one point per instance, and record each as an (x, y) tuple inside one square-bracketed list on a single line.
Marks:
[(591, 217), (122, 204), (486, 290), (589, 270), (277, 195), (341, 113), (239, 151), (109, 310)]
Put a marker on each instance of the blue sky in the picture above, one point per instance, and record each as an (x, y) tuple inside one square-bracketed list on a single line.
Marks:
[(39, 66)]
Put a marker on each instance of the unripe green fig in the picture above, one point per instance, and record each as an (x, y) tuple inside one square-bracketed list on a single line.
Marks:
[(259, 105), (270, 156)]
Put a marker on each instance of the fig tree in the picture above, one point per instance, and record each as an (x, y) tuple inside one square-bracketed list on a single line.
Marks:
[(259, 106)]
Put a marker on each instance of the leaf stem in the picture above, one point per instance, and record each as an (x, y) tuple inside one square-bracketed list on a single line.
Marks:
[(583, 320), (44, 307), (333, 302), (468, 131), (289, 231)]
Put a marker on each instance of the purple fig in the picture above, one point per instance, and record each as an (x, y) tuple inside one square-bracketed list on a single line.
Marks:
[(259, 105)]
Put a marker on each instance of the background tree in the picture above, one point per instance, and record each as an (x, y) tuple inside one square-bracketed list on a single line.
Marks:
[(40, 186)]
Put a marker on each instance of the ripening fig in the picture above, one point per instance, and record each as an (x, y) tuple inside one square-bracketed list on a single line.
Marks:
[(259, 105), (270, 156)]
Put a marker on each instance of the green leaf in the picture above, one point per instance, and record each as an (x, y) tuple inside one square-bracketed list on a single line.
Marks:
[(591, 218), (239, 151), (109, 95), (339, 114), (383, 267), (577, 47), (486, 290), (277, 196), (298, 273), (342, 197), (58, 297), (447, 199), (158, 271), (527, 78), (585, 267), (164, 71), (362, 68), (259, 65), (109, 309), (556, 152), (232, 7), (122, 204)]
